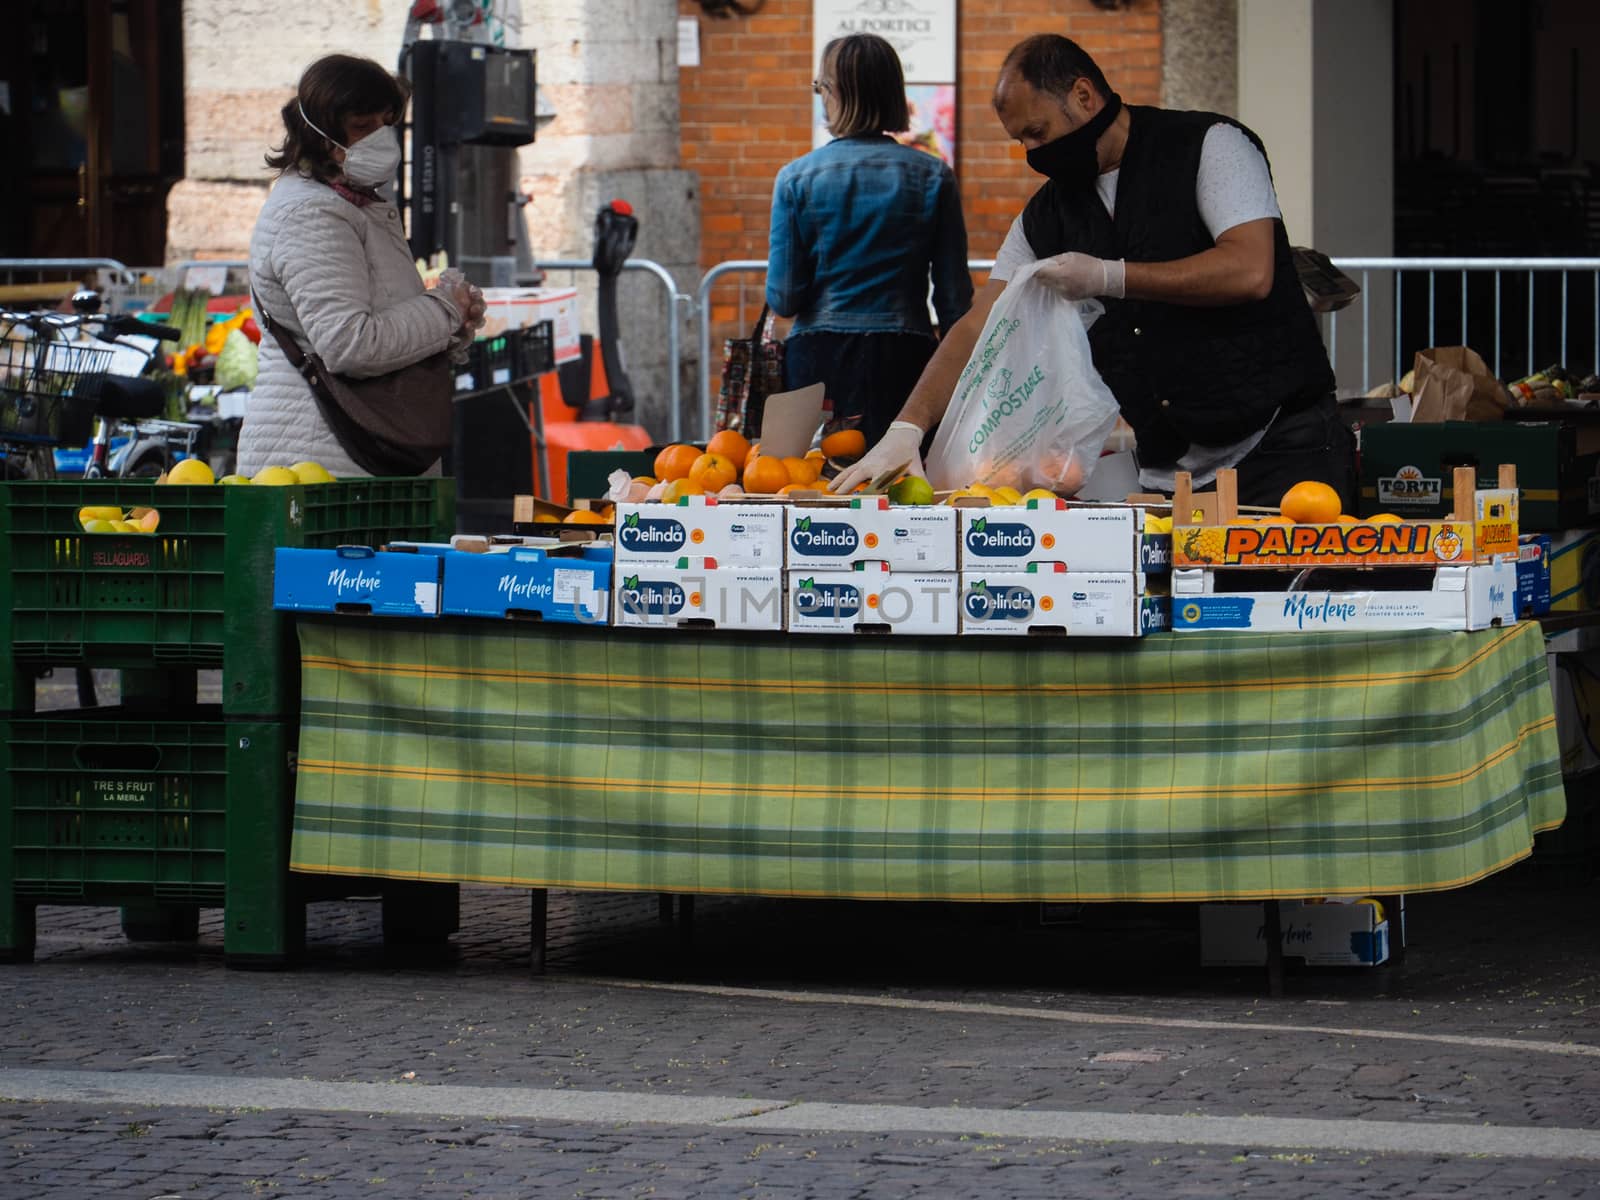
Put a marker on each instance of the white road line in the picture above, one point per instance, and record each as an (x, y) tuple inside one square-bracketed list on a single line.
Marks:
[(158, 1090), (1078, 1017)]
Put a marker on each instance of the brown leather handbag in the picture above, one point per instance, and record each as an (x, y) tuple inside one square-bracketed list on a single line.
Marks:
[(398, 423)]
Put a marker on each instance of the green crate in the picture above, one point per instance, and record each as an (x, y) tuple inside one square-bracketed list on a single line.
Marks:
[(111, 806), (198, 591)]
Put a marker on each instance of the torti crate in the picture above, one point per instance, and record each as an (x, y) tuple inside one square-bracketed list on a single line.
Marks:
[(1238, 572)]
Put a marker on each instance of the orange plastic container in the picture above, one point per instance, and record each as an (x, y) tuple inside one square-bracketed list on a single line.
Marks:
[(563, 437)]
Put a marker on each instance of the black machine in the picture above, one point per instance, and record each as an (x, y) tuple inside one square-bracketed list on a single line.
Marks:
[(464, 94), (615, 231)]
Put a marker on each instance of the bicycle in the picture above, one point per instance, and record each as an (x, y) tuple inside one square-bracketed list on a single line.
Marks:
[(57, 375), (59, 372)]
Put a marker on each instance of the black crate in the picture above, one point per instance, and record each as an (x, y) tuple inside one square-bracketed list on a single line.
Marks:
[(533, 349)]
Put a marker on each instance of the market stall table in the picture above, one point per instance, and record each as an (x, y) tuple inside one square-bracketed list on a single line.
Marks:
[(1208, 766)]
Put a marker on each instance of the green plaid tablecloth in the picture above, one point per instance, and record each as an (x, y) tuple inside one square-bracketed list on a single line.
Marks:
[(1180, 767)]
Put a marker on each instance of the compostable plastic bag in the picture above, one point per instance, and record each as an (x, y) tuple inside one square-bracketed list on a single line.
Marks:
[(1030, 410)]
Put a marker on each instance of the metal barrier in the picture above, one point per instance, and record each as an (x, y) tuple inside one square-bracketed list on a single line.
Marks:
[(674, 339), (1465, 269), (703, 371), (1436, 268), (60, 266)]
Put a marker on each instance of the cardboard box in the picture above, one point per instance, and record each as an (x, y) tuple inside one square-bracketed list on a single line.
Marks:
[(1331, 934), (357, 580), (1050, 600), (697, 593), (568, 584), (736, 535), (906, 537), (1533, 574), (1475, 597), (516, 308), (1083, 537), (1405, 468), (872, 598)]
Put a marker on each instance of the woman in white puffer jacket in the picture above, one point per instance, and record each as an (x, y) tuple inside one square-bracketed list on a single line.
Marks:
[(330, 266)]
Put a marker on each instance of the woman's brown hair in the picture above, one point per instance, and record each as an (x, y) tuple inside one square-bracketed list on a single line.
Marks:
[(332, 90), (868, 83)]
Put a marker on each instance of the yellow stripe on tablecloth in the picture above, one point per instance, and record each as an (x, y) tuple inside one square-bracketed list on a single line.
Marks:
[(894, 687)]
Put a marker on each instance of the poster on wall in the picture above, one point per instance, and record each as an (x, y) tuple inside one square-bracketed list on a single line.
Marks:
[(923, 33)]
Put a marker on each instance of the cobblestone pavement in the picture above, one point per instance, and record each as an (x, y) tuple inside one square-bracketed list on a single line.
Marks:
[(870, 1014)]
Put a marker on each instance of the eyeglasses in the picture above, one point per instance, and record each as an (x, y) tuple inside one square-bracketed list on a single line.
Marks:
[(818, 86)]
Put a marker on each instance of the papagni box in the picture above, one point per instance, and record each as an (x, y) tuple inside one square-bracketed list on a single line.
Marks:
[(1406, 469)]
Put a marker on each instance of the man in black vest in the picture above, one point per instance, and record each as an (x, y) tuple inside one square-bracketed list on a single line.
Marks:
[(1170, 220)]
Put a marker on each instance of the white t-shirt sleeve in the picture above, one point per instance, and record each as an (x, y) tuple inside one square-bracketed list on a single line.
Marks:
[(1233, 185), (1015, 253)]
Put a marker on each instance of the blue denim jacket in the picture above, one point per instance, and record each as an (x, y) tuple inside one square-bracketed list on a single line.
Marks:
[(856, 226)]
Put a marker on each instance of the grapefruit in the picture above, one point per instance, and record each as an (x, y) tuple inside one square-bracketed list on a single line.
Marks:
[(191, 471)]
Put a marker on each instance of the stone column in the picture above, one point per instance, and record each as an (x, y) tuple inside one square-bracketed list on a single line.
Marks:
[(611, 74), (241, 62), (1200, 55)]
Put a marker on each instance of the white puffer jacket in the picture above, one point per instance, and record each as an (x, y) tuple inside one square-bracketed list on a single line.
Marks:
[(340, 280)]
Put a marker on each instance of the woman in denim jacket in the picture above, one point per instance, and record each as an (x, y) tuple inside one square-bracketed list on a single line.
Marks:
[(857, 226)]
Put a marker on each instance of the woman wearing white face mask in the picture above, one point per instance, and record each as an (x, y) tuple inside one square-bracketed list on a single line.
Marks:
[(330, 266)]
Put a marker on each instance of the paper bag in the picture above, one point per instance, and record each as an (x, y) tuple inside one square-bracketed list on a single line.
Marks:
[(1452, 383)]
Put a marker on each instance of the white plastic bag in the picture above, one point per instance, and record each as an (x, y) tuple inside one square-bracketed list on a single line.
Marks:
[(1030, 409)]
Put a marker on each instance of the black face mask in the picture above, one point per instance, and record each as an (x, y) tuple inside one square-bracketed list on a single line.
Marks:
[(1071, 160)]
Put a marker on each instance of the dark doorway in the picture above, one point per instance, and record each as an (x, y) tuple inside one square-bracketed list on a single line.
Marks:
[(1497, 146), (91, 108)]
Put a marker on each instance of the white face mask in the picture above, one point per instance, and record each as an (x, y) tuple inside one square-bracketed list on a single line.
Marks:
[(371, 162)]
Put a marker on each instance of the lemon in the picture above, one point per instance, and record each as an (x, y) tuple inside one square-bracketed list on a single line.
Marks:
[(98, 512), (988, 493), (191, 471), (274, 477), (98, 525), (1037, 494), (1009, 494), (311, 472), (233, 480), (124, 527), (913, 489)]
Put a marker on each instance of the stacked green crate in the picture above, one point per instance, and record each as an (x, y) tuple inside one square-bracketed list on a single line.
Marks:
[(191, 807)]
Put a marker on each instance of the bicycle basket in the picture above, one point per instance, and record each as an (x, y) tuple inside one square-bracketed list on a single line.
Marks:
[(37, 378)]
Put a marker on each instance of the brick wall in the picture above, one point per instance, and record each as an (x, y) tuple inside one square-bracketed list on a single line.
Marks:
[(746, 110)]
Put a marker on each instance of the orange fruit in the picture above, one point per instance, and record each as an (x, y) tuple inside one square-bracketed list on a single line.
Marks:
[(674, 461), (647, 480), (1310, 502), (847, 443), (1384, 519), (800, 470), (1347, 519), (1276, 519), (585, 516), (750, 454), (729, 443), (681, 487), (766, 475), (816, 456), (713, 471), (789, 489)]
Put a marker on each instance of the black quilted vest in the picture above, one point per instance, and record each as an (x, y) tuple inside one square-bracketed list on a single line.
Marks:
[(1183, 374)]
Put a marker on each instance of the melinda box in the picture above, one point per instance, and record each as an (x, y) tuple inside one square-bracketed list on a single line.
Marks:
[(736, 535), (871, 530)]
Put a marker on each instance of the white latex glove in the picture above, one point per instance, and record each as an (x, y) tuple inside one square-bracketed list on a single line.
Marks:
[(1075, 276), (899, 448)]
